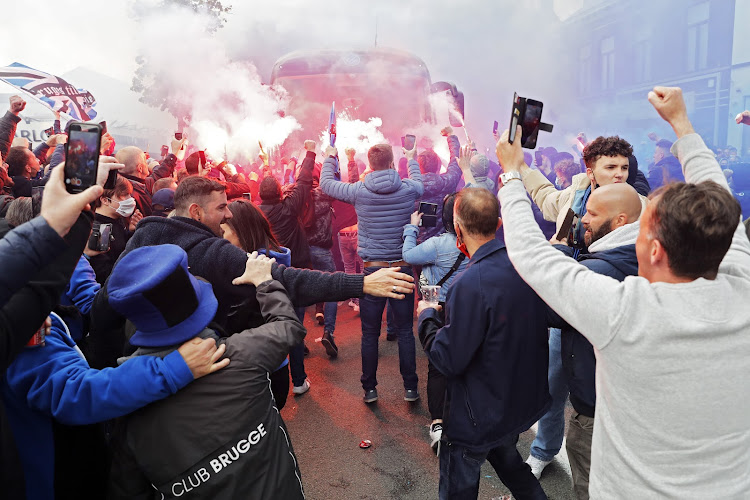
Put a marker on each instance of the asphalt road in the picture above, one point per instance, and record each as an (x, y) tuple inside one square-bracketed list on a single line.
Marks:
[(327, 424)]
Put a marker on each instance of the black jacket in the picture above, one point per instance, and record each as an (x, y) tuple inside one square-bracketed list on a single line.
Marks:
[(105, 262), (319, 226), (8, 124), (637, 179), (285, 215), (437, 186), (493, 350), (218, 262), (578, 359), (222, 436)]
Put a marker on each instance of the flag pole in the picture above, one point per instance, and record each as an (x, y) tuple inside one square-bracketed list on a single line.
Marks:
[(37, 99)]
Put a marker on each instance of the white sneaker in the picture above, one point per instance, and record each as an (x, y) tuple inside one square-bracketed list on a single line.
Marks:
[(537, 466), (436, 432), (301, 389)]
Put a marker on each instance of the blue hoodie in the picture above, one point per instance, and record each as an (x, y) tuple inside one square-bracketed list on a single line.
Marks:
[(54, 382)]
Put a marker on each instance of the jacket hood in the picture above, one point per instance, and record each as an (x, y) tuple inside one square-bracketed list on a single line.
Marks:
[(479, 166), (622, 258), (625, 235), (383, 181)]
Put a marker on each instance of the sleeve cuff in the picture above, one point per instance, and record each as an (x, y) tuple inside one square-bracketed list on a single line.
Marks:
[(177, 371), (687, 144)]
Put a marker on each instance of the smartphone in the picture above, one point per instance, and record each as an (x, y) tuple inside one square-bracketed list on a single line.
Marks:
[(247, 196), (164, 150), (178, 136), (82, 156), (494, 128), (103, 124), (408, 142), (50, 131), (101, 236), (429, 214), (528, 114), (202, 158)]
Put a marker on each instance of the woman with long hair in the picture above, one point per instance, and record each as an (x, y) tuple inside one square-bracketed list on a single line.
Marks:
[(249, 230)]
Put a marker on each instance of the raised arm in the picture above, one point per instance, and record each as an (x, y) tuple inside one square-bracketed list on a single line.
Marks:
[(296, 200), (8, 124), (343, 191), (555, 277)]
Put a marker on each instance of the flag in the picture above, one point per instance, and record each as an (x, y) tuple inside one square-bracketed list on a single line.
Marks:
[(52, 90)]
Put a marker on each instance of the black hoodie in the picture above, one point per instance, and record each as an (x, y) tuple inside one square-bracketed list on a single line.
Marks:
[(218, 262)]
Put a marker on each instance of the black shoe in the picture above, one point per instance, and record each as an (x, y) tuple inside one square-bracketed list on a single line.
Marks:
[(391, 337), (371, 396), (329, 344)]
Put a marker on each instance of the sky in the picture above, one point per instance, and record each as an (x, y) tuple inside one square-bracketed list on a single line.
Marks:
[(489, 49)]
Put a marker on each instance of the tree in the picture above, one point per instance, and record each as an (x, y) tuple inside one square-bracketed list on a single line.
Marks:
[(146, 78)]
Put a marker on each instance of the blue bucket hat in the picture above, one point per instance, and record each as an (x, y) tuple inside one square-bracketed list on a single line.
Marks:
[(152, 287)]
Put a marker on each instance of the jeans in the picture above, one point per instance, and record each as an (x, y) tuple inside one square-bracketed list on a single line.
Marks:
[(551, 427), (371, 314), (460, 469), (297, 355), (349, 255), (322, 260), (578, 447)]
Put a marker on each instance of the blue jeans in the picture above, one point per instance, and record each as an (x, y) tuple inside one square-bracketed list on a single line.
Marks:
[(460, 469), (297, 355), (371, 314), (551, 427), (322, 260)]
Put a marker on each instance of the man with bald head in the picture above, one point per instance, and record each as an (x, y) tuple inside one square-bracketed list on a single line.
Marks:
[(136, 171), (611, 228)]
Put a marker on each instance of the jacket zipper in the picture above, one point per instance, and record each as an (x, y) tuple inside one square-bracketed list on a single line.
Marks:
[(468, 407)]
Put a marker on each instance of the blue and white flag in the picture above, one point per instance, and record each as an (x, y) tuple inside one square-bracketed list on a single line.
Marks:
[(52, 90)]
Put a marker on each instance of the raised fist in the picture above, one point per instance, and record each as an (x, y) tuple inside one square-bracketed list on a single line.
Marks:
[(16, 104)]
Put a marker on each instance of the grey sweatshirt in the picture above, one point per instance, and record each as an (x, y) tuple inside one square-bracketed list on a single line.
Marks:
[(673, 397)]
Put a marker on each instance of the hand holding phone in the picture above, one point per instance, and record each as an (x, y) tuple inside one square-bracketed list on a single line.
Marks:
[(528, 114), (82, 156), (429, 214), (100, 238)]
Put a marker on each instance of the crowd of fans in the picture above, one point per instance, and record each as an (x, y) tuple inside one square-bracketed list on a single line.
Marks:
[(590, 279)]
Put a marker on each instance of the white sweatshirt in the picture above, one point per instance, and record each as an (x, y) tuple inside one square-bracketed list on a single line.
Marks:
[(673, 397)]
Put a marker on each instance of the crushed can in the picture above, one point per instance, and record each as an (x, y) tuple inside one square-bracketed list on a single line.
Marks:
[(365, 443), (37, 340)]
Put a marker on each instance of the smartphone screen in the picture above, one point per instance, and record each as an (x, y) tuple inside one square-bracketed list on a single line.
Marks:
[(494, 128), (105, 233), (408, 142), (530, 125), (82, 156), (429, 214)]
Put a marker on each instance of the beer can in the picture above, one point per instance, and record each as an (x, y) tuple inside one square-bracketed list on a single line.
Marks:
[(37, 340), (365, 443)]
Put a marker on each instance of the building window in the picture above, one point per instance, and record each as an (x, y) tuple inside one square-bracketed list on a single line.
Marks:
[(608, 63), (642, 55), (584, 70), (697, 50)]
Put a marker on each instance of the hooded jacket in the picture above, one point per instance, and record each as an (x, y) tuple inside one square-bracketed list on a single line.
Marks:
[(141, 194), (479, 170), (285, 215), (613, 256), (492, 349), (54, 383), (554, 204), (319, 223), (219, 262), (437, 186), (222, 437), (384, 205)]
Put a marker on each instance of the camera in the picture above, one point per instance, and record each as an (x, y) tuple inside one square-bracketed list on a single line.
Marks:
[(101, 236)]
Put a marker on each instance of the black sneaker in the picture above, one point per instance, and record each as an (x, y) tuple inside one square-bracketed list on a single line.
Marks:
[(371, 396), (329, 344), (411, 395)]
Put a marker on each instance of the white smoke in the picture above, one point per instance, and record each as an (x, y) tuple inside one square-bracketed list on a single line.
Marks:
[(230, 109)]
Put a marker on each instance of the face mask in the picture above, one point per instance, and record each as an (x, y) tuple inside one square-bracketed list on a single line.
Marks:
[(558, 183), (462, 247), (126, 207)]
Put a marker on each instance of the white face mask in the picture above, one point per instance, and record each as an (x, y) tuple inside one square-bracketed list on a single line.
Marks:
[(126, 207)]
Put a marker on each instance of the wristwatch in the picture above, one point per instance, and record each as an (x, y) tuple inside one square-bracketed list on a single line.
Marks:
[(506, 177)]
